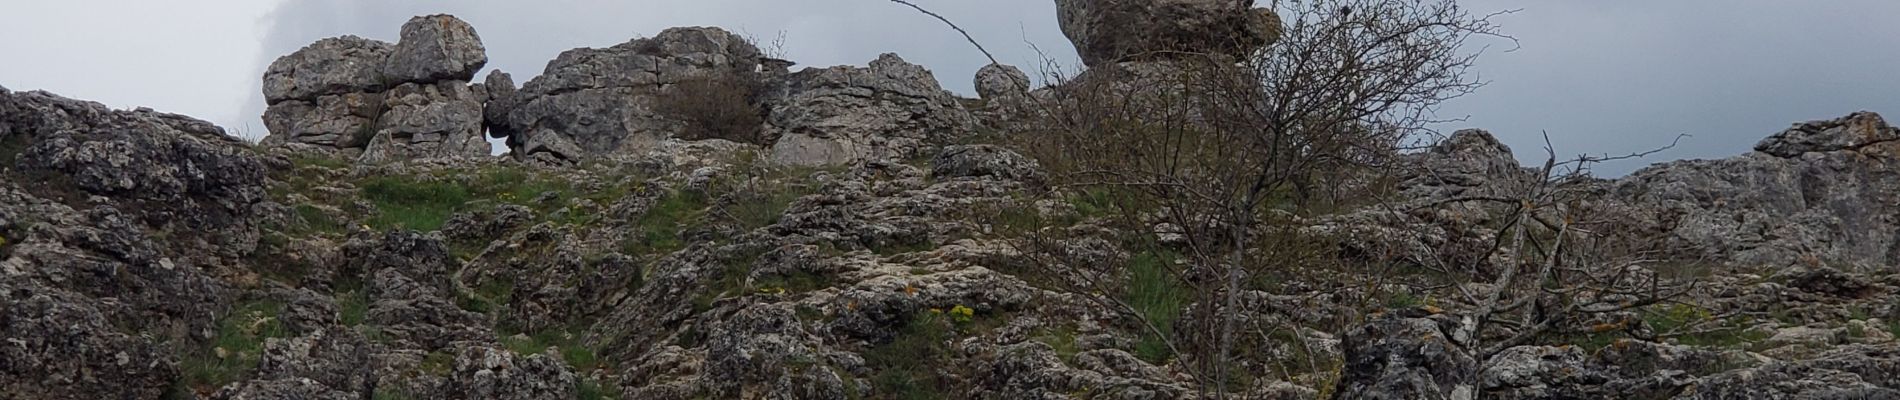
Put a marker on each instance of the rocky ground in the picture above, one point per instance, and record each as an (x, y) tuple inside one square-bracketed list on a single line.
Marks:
[(869, 245)]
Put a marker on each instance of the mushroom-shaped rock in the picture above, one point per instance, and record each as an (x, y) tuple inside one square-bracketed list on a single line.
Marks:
[(435, 48), (1109, 31)]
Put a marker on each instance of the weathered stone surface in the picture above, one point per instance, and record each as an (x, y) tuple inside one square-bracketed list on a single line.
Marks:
[(889, 111), (428, 121), (1110, 31), (1409, 354), (490, 373), (329, 122), (501, 101), (1002, 83), (435, 48), (282, 389), (1852, 132), (984, 160), (396, 103), (54, 345), (1852, 372), (593, 102), (1825, 190), (333, 66)]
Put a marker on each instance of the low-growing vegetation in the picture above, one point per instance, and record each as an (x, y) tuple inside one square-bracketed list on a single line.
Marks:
[(235, 351)]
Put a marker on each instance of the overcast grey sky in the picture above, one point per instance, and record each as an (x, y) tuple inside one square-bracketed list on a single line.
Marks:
[(1600, 76)]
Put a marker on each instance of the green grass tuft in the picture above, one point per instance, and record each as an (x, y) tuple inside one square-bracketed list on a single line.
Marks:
[(1156, 293), (908, 365), (235, 351)]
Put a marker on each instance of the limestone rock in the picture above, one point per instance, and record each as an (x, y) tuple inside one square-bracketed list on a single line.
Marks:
[(435, 48), (490, 373), (1848, 133), (1001, 83), (501, 101), (1409, 354), (333, 66), (984, 160), (891, 110), (1824, 190), (428, 121), (395, 102), (595, 102), (1110, 31)]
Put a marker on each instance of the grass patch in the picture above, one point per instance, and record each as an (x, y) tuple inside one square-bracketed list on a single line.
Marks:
[(568, 345), (391, 394), (424, 204), (908, 364), (411, 204), (590, 389), (1728, 334), (1158, 295), (1060, 338), (662, 223), (235, 351), (314, 220), (352, 307), (437, 363), (493, 294)]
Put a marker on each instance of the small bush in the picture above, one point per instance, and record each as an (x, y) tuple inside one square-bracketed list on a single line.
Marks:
[(726, 106)]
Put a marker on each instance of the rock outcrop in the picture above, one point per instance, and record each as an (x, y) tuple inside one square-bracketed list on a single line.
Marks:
[(115, 227), (1111, 31), (1823, 190), (386, 102), (891, 110), (596, 102), (367, 252)]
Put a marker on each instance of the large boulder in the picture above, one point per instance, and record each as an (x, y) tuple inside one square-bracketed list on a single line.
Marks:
[(1110, 31), (435, 48), (595, 102), (391, 102), (332, 66), (891, 110), (438, 120), (1002, 83)]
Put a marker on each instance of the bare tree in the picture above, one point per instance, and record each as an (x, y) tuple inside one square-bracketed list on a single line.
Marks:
[(1221, 149)]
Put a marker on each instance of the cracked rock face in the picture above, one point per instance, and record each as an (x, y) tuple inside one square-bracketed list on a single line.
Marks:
[(891, 110), (389, 102)]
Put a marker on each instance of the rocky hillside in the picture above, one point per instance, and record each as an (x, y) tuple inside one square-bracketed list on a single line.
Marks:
[(851, 232)]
